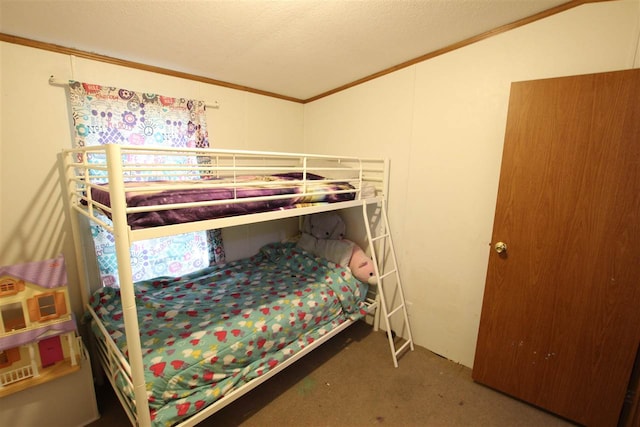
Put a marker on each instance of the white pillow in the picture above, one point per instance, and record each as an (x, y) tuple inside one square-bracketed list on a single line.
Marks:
[(336, 251)]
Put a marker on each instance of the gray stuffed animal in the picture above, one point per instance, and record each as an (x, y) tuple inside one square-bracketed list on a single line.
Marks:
[(326, 225), (323, 236)]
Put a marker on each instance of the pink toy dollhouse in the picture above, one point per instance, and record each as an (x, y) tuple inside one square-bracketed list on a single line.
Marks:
[(38, 332)]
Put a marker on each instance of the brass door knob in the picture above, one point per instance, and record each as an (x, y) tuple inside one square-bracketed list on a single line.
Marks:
[(500, 247)]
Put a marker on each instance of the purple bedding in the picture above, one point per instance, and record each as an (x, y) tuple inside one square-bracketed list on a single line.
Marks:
[(256, 186)]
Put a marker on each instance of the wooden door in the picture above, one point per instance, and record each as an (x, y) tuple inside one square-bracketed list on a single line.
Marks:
[(560, 322)]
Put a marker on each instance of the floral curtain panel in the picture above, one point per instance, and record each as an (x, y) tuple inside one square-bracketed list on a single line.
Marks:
[(108, 115)]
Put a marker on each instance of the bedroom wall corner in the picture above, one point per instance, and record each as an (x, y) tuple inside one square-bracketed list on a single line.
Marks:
[(442, 123), (371, 120)]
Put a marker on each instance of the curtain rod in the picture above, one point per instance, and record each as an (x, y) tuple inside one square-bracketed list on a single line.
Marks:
[(57, 82)]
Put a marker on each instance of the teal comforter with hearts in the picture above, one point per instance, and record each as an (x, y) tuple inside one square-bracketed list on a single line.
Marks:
[(206, 333)]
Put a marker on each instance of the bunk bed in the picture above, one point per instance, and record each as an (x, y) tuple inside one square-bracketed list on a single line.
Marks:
[(233, 324)]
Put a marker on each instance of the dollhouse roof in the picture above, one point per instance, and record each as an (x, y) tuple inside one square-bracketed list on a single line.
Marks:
[(49, 273)]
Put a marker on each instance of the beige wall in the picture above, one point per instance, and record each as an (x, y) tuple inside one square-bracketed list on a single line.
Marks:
[(36, 127), (442, 124), (1, 132)]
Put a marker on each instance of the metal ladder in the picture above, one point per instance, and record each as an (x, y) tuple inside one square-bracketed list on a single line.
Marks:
[(386, 271)]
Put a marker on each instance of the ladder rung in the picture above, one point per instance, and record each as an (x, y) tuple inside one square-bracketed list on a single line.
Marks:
[(371, 306), (402, 347), (388, 273), (374, 239), (385, 233), (395, 310)]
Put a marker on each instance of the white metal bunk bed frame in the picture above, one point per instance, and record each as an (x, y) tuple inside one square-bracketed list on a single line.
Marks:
[(81, 177)]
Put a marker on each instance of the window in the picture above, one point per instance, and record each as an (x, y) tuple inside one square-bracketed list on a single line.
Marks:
[(8, 356), (12, 317), (48, 306), (10, 286), (108, 115)]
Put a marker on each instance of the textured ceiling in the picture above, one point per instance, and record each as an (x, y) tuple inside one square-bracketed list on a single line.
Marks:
[(296, 48)]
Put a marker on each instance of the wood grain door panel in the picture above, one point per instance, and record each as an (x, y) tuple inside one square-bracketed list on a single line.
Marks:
[(560, 321)]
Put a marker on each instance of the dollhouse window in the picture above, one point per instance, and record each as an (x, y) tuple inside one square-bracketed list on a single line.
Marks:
[(47, 306), (10, 286), (12, 317), (7, 357)]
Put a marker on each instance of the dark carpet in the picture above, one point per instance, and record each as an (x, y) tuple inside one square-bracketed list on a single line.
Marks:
[(351, 381)]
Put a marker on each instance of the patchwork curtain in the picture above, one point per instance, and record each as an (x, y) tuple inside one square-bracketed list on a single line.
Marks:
[(108, 115)]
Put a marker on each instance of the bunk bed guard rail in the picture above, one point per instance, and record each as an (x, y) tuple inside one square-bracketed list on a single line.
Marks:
[(224, 183), (125, 183)]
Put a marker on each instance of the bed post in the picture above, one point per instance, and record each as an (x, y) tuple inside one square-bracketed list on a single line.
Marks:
[(123, 254), (71, 199)]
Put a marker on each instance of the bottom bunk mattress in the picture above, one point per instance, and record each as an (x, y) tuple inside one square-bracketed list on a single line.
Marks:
[(207, 333)]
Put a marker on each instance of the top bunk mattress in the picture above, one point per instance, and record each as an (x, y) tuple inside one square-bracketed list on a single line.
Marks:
[(240, 196), (157, 187)]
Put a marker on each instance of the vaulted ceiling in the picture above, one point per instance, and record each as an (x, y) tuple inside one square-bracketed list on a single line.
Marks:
[(298, 49)]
